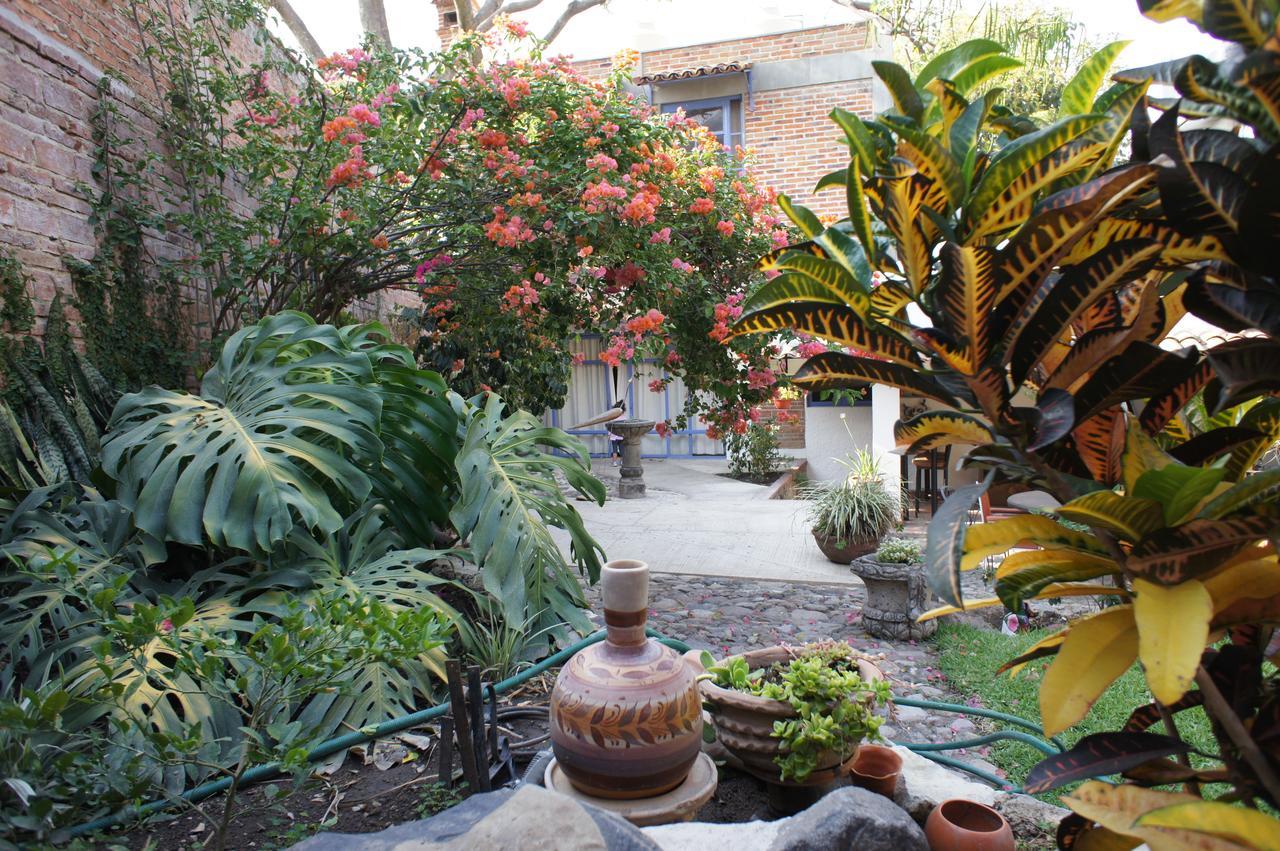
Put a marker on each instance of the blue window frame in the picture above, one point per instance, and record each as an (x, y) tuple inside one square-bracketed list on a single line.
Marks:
[(722, 116)]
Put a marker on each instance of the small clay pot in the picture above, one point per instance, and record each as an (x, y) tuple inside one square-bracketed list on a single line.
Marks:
[(876, 768), (960, 825), (843, 552)]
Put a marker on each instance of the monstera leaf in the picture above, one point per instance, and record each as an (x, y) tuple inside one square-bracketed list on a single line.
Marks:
[(272, 434), (510, 495), (62, 549), (366, 558)]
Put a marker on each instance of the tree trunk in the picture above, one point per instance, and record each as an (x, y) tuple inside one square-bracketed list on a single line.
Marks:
[(373, 19), (291, 20)]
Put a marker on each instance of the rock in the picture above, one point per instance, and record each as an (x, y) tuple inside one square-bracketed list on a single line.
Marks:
[(962, 725), (925, 784), (910, 714), (851, 818), (528, 817), (703, 836), (1030, 818), (803, 617), (665, 604)]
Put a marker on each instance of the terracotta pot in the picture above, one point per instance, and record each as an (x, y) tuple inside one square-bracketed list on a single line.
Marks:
[(832, 549), (626, 719), (744, 723), (960, 825), (876, 768)]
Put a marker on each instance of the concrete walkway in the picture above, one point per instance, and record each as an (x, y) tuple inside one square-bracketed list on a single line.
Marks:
[(696, 521)]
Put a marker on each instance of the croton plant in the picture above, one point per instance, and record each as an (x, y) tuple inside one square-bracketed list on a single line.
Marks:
[(1029, 276)]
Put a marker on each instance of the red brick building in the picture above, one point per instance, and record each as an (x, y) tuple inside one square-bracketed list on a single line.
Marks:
[(770, 93)]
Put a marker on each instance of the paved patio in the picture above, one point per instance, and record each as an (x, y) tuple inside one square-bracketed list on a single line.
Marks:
[(696, 520)]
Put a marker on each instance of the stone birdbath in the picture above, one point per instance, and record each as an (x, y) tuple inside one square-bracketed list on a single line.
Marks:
[(632, 484), (897, 594)]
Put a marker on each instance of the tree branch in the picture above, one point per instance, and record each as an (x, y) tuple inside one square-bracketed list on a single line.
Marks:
[(299, 29), (1219, 708), (373, 20), (492, 8), (575, 8)]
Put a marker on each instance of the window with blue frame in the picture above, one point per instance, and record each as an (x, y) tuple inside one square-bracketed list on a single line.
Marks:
[(722, 116)]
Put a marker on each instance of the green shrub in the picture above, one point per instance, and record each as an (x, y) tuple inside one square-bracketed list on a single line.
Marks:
[(899, 551), (754, 454)]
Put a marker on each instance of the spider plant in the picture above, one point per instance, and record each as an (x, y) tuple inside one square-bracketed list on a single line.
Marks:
[(858, 507)]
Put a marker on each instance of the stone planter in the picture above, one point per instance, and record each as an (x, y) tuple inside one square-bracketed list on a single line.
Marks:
[(832, 549), (897, 594), (744, 724)]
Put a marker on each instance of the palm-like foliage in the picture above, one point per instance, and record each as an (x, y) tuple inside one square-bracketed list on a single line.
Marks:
[(1047, 276)]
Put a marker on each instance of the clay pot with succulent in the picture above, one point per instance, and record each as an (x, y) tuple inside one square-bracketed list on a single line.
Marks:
[(848, 516), (795, 716)]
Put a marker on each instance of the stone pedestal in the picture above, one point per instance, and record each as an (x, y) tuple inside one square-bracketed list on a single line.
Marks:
[(897, 594), (632, 484)]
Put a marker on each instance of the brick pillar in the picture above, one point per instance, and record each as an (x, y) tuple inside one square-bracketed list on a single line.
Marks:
[(447, 22), (791, 432)]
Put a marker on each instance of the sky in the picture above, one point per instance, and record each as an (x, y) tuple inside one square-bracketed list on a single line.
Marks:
[(603, 31)]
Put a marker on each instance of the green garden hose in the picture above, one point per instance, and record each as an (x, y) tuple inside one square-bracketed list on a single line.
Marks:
[(405, 722)]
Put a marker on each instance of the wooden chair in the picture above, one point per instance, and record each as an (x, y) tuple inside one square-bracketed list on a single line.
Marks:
[(927, 467)]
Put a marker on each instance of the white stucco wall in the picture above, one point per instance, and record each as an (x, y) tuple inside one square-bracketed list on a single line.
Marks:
[(870, 427)]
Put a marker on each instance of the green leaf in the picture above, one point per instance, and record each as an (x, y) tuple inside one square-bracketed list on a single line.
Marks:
[(1179, 489), (951, 63), (803, 217), (827, 273), (859, 214), (273, 433), (787, 288), (904, 94), (1258, 487), (837, 371), (510, 495), (944, 549), (834, 322), (1024, 168), (1130, 517), (984, 70), (1079, 92), (861, 145)]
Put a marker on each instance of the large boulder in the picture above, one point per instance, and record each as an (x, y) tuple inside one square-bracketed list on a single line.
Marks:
[(848, 818), (529, 818)]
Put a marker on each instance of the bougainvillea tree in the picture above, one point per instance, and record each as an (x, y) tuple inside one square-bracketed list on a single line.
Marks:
[(517, 203)]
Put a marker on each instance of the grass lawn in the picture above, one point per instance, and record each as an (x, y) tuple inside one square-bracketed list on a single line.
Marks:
[(970, 657)]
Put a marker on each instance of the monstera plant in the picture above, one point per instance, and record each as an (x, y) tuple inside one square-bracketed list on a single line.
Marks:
[(316, 462), (1041, 276)]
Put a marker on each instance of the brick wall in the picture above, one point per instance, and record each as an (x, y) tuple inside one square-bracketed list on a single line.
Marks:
[(794, 141), (790, 433), (52, 57), (773, 47)]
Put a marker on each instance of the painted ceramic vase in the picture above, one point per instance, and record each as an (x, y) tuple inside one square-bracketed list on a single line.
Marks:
[(626, 719)]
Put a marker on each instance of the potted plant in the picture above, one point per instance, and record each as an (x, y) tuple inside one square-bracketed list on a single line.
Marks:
[(897, 591), (848, 516), (795, 716)]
